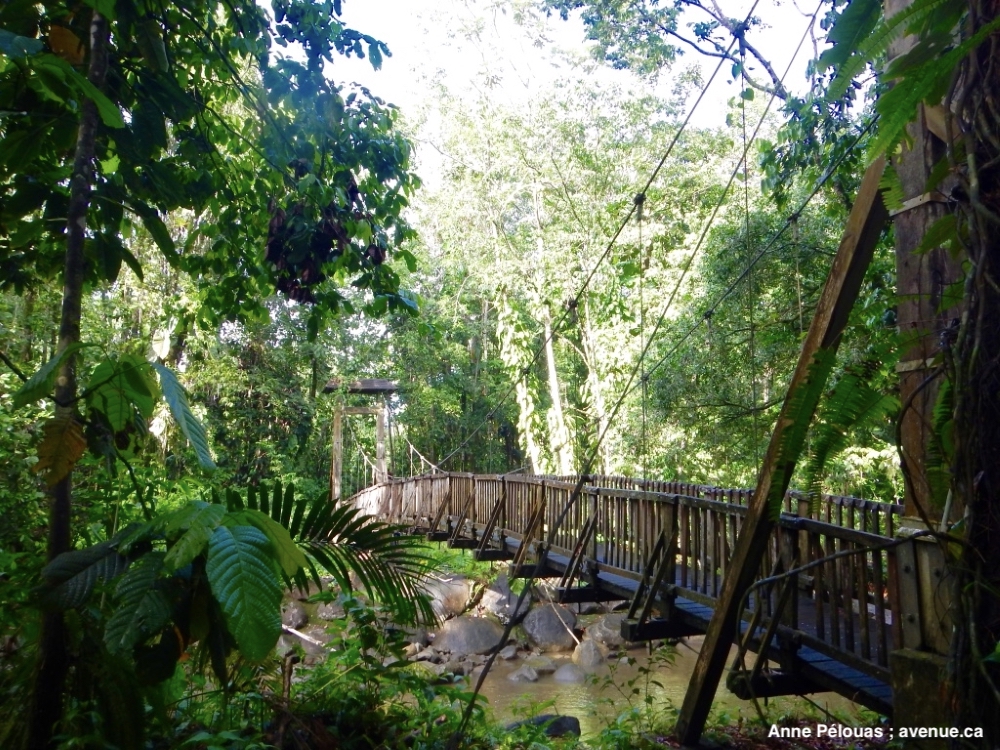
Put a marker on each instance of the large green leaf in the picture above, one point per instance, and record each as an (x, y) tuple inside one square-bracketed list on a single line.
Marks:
[(195, 522), (246, 587), (40, 384), (288, 555), (71, 577), (119, 387), (143, 607), (192, 428)]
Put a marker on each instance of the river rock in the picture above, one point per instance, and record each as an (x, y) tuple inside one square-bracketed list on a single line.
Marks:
[(330, 611), (570, 673), (449, 594), (293, 615), (456, 666), (541, 664), (608, 630), (523, 673), (501, 602), (550, 627), (428, 670), (428, 654), (555, 725), (468, 635), (508, 652), (589, 654)]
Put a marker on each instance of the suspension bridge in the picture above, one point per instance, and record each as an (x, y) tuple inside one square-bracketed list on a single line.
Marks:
[(835, 593), (825, 595)]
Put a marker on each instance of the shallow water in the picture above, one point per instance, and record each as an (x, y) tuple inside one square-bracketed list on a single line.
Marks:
[(595, 705)]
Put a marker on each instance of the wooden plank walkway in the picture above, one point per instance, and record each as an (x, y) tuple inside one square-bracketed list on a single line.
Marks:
[(666, 546)]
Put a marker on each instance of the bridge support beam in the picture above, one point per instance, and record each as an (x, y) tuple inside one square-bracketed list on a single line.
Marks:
[(864, 227)]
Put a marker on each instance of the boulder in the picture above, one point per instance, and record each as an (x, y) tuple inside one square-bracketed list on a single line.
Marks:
[(589, 654), (555, 725), (428, 654), (501, 602), (330, 611), (293, 615), (456, 666), (468, 635), (508, 652), (427, 670), (541, 664), (449, 594), (608, 630), (523, 673), (550, 627), (570, 673)]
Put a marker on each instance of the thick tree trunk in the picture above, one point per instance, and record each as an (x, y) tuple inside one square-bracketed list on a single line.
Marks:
[(974, 368), (46, 707)]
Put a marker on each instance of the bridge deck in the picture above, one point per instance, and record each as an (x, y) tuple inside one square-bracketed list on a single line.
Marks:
[(666, 547)]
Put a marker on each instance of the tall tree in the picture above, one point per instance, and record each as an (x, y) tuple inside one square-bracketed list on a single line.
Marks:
[(122, 111)]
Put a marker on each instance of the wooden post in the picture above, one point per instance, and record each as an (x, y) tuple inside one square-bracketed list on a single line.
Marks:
[(921, 282), (380, 420), (864, 226), (337, 453)]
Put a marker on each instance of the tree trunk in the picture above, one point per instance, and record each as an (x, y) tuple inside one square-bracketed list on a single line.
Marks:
[(974, 369), (53, 656)]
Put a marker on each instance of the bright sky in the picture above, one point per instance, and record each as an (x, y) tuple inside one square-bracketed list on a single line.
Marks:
[(471, 47)]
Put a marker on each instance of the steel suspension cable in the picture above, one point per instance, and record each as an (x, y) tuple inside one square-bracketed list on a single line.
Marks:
[(574, 302), (751, 301), (594, 452)]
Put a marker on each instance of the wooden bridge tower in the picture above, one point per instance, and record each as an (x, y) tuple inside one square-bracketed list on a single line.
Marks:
[(367, 387)]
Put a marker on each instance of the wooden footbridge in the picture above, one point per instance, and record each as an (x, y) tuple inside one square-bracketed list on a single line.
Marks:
[(830, 601)]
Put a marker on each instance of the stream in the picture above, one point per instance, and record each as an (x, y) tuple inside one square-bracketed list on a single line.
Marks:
[(597, 702)]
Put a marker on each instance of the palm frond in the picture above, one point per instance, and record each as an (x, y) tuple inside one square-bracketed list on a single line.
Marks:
[(358, 550)]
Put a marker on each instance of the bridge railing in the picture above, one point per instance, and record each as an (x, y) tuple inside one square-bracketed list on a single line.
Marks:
[(843, 607)]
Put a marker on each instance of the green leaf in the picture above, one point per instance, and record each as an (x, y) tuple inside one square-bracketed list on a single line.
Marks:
[(108, 111), (43, 381), (288, 555), (246, 587), (16, 46), (193, 430), (851, 405), (159, 232), (143, 608), (849, 30), (198, 521), (105, 394), (942, 232), (71, 577)]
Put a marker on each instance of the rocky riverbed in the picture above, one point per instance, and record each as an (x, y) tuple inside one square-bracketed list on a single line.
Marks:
[(569, 657)]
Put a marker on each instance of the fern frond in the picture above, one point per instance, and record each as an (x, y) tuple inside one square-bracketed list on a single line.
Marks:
[(851, 405), (892, 188), (798, 413), (940, 449), (876, 42), (928, 82)]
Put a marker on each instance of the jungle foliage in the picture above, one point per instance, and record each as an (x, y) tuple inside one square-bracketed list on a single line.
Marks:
[(249, 237)]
